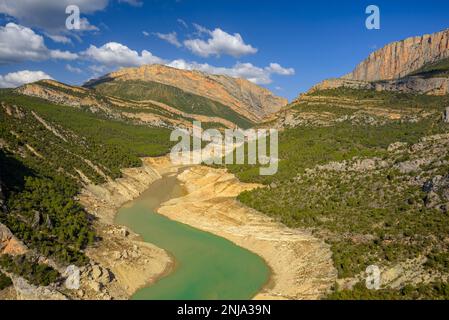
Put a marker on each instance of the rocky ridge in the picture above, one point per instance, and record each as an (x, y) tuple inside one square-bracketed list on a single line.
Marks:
[(399, 59), (392, 67), (412, 84), (149, 112), (242, 96)]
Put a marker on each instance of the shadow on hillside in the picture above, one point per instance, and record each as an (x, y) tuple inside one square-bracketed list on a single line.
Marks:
[(13, 173)]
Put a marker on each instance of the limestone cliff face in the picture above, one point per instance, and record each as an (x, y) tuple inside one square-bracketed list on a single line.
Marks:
[(401, 58), (241, 95), (393, 67)]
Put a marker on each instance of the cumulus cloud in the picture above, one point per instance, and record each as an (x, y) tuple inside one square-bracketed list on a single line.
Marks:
[(115, 54), (63, 55), (171, 38), (73, 69), (50, 15), (145, 33), (18, 43), (219, 43), (16, 79), (247, 71), (278, 69)]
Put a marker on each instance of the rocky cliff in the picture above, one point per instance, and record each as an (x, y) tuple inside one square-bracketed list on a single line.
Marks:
[(414, 65), (242, 96), (399, 59)]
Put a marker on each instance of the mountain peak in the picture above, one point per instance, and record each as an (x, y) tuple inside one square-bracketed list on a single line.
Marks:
[(241, 95), (401, 58)]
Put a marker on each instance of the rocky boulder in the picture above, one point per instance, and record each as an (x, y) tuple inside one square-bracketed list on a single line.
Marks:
[(95, 277), (446, 115), (9, 244), (27, 291), (399, 59)]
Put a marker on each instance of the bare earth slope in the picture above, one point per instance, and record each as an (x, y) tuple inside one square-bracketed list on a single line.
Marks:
[(242, 96), (301, 264)]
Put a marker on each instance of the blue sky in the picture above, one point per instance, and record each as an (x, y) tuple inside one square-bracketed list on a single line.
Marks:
[(286, 46)]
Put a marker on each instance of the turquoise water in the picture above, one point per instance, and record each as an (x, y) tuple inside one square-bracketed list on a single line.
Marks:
[(207, 266)]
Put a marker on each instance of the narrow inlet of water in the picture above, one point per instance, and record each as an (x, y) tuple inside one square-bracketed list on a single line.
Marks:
[(207, 266)]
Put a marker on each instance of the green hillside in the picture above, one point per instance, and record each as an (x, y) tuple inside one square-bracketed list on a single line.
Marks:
[(379, 215), (47, 152), (172, 96)]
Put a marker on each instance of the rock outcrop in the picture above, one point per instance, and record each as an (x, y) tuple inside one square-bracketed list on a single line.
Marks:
[(414, 84), (446, 115), (392, 68), (399, 59), (113, 107), (9, 244), (27, 291), (242, 96)]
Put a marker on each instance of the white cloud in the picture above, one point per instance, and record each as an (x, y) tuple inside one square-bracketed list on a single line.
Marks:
[(16, 79), (49, 15), (134, 3), (63, 55), (99, 70), (59, 38), (219, 43), (183, 23), (278, 69), (200, 29), (114, 54), (18, 43), (86, 26), (146, 34), (73, 69), (247, 71), (171, 38)]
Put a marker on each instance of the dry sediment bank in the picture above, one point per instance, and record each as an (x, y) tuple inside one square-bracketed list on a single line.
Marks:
[(134, 263), (301, 264)]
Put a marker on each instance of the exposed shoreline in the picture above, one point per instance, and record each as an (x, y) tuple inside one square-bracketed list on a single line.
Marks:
[(300, 265), (147, 263)]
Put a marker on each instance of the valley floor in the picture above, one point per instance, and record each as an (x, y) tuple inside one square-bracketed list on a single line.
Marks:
[(301, 265)]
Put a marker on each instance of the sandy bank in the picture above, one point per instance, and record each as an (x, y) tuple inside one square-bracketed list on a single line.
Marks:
[(301, 264), (134, 263)]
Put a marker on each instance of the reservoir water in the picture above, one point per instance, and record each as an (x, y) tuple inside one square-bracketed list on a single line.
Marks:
[(207, 266)]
